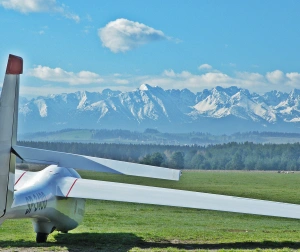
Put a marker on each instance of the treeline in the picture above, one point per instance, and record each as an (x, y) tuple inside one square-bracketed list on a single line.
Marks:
[(229, 156), (123, 152), (104, 134), (266, 134), (153, 136)]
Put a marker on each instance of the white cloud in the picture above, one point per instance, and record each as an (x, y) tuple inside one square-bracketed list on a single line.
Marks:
[(251, 77), (60, 75), (275, 77), (255, 82), (28, 6), (293, 79), (87, 29), (70, 15), (169, 73), (123, 35), (44, 90), (209, 78), (121, 81), (205, 67), (168, 79)]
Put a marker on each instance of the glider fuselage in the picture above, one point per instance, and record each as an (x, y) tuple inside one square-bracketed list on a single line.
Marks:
[(35, 197)]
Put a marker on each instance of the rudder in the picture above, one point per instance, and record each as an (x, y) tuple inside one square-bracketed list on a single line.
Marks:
[(8, 128)]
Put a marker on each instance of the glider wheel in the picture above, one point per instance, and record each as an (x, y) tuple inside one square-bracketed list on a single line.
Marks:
[(41, 237)]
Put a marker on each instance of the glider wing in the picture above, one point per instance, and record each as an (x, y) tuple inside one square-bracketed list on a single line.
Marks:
[(102, 190), (81, 162)]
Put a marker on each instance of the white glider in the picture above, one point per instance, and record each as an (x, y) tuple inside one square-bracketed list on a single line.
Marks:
[(54, 198)]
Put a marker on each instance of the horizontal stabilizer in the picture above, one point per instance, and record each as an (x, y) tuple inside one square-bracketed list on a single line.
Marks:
[(80, 162), (101, 190)]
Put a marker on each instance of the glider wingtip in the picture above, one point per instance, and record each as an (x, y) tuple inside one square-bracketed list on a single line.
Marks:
[(14, 65)]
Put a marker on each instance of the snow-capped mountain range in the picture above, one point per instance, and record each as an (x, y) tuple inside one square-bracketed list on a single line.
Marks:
[(219, 110)]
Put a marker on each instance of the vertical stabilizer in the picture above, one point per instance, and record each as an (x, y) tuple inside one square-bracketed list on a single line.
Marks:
[(8, 127)]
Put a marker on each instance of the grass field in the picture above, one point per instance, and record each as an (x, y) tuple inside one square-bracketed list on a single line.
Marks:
[(114, 226)]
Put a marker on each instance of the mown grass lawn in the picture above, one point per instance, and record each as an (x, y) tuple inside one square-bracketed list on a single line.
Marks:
[(114, 226)]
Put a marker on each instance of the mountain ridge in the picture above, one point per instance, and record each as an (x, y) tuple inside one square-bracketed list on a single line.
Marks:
[(218, 110)]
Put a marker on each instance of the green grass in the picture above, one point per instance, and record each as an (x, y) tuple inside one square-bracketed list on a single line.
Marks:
[(114, 226)]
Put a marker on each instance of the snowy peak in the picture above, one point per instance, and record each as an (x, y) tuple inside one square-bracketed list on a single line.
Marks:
[(173, 109), (221, 102), (109, 93), (144, 87), (274, 97), (294, 99), (295, 94)]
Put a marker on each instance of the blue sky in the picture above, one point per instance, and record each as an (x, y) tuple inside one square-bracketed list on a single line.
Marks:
[(91, 45)]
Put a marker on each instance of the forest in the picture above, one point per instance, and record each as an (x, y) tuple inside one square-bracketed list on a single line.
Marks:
[(228, 156), (153, 136)]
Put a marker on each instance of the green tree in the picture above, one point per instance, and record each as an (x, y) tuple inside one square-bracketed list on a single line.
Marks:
[(236, 162), (197, 161), (146, 160), (157, 159), (177, 160)]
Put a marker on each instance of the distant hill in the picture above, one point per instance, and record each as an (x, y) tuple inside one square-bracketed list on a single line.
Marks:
[(153, 136), (216, 111)]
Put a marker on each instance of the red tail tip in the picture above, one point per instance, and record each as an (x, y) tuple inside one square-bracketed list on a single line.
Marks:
[(14, 65)]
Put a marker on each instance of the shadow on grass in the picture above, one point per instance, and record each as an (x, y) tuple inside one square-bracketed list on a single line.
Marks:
[(126, 241)]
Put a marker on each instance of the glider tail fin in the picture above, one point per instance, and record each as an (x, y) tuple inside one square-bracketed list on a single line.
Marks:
[(8, 129)]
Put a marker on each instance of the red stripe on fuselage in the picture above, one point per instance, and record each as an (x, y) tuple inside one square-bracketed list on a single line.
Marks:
[(20, 177), (71, 187)]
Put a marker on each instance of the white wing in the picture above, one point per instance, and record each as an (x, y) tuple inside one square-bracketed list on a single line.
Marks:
[(81, 162), (101, 190)]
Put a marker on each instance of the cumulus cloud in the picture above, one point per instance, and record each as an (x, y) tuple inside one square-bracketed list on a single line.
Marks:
[(60, 75), (275, 77), (293, 79), (250, 78), (205, 67), (170, 73), (123, 35), (169, 79), (279, 79), (214, 78), (255, 82), (28, 6), (44, 90), (121, 81)]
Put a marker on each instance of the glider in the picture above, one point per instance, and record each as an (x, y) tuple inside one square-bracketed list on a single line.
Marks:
[(54, 198)]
